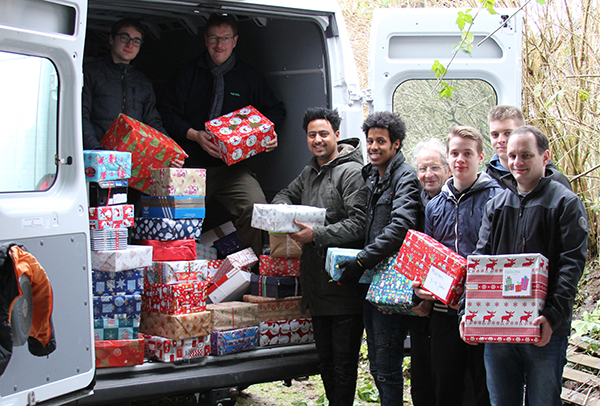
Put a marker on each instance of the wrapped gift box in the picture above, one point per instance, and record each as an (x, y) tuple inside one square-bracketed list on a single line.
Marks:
[(209, 237), (126, 282), (229, 287), (116, 329), (213, 266), (177, 250), (231, 315), (167, 350), (109, 239), (275, 286), (135, 256), (180, 298), (504, 295), (108, 192), (271, 309), (178, 271), (117, 306), (119, 353), (244, 259), (232, 341), (204, 252), (240, 134), (228, 244), (176, 326), (441, 270), (270, 266), (282, 246), (294, 331), (174, 207), (174, 213), (117, 216), (390, 290), (166, 229), (336, 256), (149, 148), (106, 165), (178, 182), (280, 217)]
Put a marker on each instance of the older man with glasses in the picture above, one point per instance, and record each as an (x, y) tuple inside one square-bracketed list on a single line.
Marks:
[(432, 167), (213, 84)]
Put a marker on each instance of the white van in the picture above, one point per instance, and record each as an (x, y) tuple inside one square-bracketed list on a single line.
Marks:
[(303, 48)]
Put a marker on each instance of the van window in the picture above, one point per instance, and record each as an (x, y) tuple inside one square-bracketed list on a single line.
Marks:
[(426, 115), (28, 122)]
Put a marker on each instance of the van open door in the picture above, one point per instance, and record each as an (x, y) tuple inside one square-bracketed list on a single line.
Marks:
[(43, 204), (404, 45)]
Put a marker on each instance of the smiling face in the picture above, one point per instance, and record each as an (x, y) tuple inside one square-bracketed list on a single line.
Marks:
[(220, 42), (322, 140), (124, 52), (380, 149), (525, 162), (431, 171), (464, 161), (500, 130)]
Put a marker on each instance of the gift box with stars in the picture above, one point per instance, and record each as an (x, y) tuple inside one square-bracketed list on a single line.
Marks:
[(117, 306), (119, 353), (271, 266), (504, 295), (125, 282), (240, 134), (441, 270)]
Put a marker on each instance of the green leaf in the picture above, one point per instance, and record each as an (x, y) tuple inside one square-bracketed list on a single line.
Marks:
[(583, 94), (542, 2), (460, 20), (446, 90)]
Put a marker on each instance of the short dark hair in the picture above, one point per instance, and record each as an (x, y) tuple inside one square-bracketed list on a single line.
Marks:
[(464, 131), (216, 20), (540, 138), (389, 121), (321, 113), (127, 22), (499, 113)]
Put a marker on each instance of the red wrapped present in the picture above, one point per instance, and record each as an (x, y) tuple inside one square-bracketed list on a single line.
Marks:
[(117, 216), (168, 350), (441, 270), (240, 134), (178, 298), (243, 259), (177, 250), (504, 295), (149, 148), (295, 331), (119, 353), (270, 266)]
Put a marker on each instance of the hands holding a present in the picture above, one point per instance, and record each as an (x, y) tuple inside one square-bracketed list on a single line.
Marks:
[(352, 270), (461, 329), (305, 235), (546, 328), (205, 140), (422, 293), (272, 144), (178, 163)]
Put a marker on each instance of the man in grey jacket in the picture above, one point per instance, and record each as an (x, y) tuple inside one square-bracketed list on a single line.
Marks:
[(332, 180)]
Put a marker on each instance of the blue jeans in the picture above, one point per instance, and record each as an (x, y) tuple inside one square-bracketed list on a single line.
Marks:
[(338, 340), (385, 340), (512, 366)]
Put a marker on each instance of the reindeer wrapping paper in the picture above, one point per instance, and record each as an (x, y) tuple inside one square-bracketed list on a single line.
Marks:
[(504, 295)]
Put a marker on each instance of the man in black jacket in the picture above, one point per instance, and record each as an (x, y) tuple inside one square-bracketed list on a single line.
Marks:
[(535, 215), (207, 87)]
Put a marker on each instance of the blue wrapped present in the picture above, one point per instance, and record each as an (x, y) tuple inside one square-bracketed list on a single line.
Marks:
[(174, 212), (390, 290), (126, 282), (165, 229), (117, 306), (227, 244), (116, 329), (274, 286), (103, 165), (336, 256), (232, 341)]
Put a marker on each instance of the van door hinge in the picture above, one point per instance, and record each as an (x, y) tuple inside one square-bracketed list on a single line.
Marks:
[(368, 95), (65, 161), (31, 399)]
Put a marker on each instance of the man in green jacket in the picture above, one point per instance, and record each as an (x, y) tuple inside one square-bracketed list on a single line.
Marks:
[(331, 180)]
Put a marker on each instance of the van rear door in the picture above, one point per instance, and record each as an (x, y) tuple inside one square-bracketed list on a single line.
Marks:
[(404, 45), (43, 203)]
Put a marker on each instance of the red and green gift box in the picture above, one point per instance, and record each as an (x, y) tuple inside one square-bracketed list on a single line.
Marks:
[(240, 134), (440, 270), (180, 298), (271, 266), (119, 353), (504, 294), (149, 148)]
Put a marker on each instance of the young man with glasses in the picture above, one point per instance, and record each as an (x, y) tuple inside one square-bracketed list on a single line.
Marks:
[(207, 87), (113, 86)]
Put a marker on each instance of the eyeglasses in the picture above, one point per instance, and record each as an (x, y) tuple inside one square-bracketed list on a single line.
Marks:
[(215, 39), (125, 38), (434, 169)]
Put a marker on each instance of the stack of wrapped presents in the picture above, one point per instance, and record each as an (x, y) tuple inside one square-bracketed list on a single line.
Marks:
[(117, 268)]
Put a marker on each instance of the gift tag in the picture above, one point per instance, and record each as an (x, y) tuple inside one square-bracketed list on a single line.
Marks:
[(516, 282), (437, 282)]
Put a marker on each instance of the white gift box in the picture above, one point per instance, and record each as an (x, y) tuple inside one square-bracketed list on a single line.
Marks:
[(135, 256), (280, 218), (230, 287)]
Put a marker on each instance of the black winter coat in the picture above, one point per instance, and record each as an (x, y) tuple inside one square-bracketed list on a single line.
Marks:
[(110, 89)]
